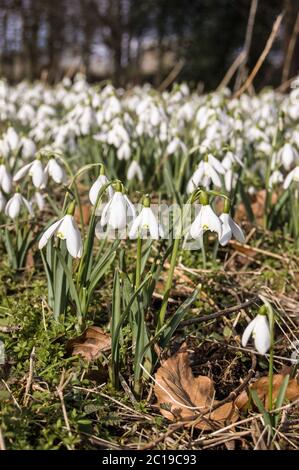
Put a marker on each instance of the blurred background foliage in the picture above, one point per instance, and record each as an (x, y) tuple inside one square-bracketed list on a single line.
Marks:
[(133, 41)]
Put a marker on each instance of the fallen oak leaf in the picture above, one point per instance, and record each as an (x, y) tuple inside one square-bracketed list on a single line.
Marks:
[(261, 386), (90, 344), (181, 396)]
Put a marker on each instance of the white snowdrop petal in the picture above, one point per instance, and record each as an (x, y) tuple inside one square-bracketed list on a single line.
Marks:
[(288, 179), (57, 172), (49, 233), (73, 237), (5, 179), (237, 231), (247, 332), (216, 164), (94, 191), (105, 213), (133, 233), (210, 221), (131, 211), (28, 206), (152, 224), (22, 172), (39, 177), (226, 232), (261, 334), (196, 229), (13, 206), (117, 212), (214, 176)]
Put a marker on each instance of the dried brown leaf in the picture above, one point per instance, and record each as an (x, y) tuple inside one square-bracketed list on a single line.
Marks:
[(90, 344), (181, 396), (85, 214), (258, 200), (29, 260), (261, 386)]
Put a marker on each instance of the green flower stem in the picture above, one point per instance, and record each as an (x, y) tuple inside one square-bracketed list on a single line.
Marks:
[(271, 359), (204, 250), (138, 262), (168, 283)]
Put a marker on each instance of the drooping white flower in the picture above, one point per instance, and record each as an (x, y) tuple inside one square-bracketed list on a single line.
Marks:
[(12, 139), (259, 329), (287, 155), (124, 151), (39, 200), (146, 222), (37, 172), (4, 148), (230, 179), (65, 229), (205, 220), (15, 204), (28, 147), (214, 163), (118, 212), (134, 170), (86, 120), (174, 145), (207, 170), (275, 178), (292, 176), (101, 181), (56, 171), (229, 229), (5, 179), (2, 202)]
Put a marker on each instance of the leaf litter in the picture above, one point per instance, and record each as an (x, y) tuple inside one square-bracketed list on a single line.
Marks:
[(183, 397)]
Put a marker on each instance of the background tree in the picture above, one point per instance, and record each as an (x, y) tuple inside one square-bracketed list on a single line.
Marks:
[(115, 38)]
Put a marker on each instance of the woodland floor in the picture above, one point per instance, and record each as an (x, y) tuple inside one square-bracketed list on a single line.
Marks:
[(51, 400)]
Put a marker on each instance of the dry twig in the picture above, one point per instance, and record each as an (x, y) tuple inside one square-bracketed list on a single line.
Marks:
[(262, 57)]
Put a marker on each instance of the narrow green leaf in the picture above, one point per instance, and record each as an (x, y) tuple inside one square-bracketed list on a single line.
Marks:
[(176, 318), (261, 408), (281, 396), (71, 285)]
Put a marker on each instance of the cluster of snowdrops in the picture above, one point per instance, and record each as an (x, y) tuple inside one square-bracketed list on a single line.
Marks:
[(195, 150)]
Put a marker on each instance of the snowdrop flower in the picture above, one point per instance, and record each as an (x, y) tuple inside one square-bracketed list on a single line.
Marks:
[(230, 159), (28, 148), (12, 139), (39, 200), (230, 179), (205, 220), (65, 229), (124, 151), (203, 175), (4, 148), (134, 170), (37, 172), (275, 178), (118, 211), (15, 204), (292, 176), (287, 155), (259, 329), (86, 120), (2, 202), (146, 221), (56, 171), (101, 181), (5, 178), (229, 227), (175, 145)]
